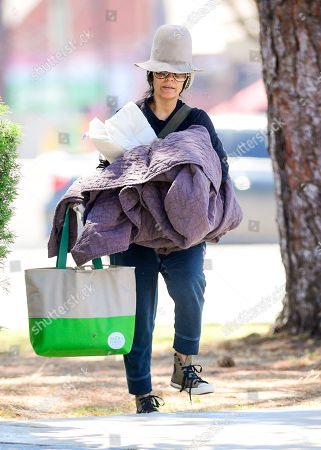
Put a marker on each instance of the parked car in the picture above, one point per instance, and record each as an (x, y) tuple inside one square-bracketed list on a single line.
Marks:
[(244, 140)]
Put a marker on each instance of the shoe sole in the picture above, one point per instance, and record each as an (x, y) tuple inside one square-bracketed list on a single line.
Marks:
[(151, 412), (205, 389)]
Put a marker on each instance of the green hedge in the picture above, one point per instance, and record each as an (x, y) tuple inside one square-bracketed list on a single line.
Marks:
[(10, 137)]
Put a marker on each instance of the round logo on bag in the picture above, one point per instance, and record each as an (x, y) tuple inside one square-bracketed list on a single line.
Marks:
[(116, 340)]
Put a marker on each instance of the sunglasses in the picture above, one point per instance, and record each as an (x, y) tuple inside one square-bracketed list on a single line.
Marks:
[(177, 76)]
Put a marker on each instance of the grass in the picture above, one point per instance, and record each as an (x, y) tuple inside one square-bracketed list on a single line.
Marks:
[(313, 355), (10, 337), (8, 414), (162, 338)]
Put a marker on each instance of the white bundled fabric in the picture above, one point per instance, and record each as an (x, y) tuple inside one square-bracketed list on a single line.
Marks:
[(126, 129)]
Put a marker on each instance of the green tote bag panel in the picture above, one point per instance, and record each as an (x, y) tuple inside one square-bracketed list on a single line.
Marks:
[(80, 311)]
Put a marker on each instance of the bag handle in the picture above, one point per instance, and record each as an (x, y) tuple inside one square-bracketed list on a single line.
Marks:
[(63, 246), (175, 121)]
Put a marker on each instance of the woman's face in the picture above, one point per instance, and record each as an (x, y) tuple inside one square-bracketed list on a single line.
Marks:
[(167, 87)]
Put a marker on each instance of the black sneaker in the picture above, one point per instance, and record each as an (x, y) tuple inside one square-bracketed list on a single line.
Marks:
[(148, 404)]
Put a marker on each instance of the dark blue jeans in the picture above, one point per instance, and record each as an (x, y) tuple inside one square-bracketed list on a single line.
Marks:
[(183, 273)]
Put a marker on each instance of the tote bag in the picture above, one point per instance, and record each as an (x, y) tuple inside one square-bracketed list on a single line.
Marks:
[(80, 311)]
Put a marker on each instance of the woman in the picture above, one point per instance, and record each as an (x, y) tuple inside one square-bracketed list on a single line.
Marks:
[(169, 73)]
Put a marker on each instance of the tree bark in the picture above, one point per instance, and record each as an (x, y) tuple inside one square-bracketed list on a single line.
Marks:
[(290, 38)]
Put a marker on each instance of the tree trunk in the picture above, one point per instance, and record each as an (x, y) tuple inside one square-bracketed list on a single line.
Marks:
[(290, 38)]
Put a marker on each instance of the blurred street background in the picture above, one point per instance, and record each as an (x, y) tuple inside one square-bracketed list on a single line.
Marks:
[(63, 62)]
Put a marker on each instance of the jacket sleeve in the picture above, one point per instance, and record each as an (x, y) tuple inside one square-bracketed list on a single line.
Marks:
[(204, 119)]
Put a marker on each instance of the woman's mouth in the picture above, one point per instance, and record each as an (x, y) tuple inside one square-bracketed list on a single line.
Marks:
[(167, 87)]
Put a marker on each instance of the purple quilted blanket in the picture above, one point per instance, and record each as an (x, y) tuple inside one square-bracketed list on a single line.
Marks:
[(166, 195)]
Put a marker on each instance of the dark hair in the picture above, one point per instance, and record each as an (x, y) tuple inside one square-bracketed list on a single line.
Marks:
[(150, 90)]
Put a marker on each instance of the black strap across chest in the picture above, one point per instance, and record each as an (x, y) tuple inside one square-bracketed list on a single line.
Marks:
[(175, 121)]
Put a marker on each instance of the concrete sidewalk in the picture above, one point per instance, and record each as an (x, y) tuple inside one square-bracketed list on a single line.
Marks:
[(277, 428)]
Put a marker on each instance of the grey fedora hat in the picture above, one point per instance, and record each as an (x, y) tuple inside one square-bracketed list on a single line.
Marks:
[(171, 51)]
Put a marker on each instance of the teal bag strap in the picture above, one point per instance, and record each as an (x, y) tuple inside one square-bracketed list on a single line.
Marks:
[(175, 121), (63, 246)]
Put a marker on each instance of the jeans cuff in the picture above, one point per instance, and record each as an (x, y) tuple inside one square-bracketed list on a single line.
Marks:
[(140, 387), (186, 347)]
